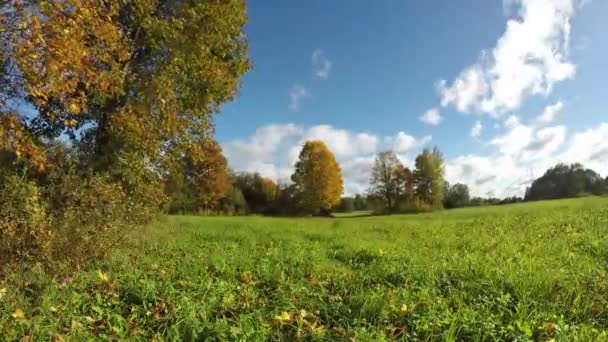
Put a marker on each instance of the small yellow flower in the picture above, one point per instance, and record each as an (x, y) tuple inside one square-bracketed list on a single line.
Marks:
[(381, 252), (102, 276), (18, 314), (404, 308), (2, 292)]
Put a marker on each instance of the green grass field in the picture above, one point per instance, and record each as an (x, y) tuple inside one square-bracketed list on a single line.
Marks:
[(535, 271)]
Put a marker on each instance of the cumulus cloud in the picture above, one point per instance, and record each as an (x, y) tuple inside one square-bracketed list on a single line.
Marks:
[(431, 117), (527, 142), (589, 147), (485, 174), (530, 58), (550, 112), (272, 151), (321, 64), (476, 129), (296, 95)]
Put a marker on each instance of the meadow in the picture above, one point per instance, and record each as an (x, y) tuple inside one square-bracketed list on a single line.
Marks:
[(532, 271)]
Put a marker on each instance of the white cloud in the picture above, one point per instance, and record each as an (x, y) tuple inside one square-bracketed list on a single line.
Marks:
[(273, 150), (550, 112), (590, 148), (528, 59), (544, 143), (431, 117), (465, 92), (527, 142), (476, 129), (402, 143), (296, 95), (496, 176), (321, 64)]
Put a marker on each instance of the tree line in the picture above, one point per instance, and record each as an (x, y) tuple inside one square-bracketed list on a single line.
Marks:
[(316, 186), (560, 181)]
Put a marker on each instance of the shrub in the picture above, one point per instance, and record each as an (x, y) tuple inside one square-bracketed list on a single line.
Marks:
[(61, 218), (25, 233)]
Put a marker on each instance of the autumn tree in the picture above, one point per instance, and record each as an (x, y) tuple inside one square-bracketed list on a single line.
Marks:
[(134, 77), (428, 177), (208, 177), (391, 182), (201, 182), (133, 85), (317, 178)]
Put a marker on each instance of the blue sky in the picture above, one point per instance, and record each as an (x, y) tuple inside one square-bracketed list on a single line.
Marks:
[(508, 87)]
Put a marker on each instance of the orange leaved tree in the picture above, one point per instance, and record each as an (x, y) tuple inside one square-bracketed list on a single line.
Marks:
[(317, 178)]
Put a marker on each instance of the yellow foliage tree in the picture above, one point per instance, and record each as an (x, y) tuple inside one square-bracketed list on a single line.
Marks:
[(210, 177), (318, 178), (139, 77)]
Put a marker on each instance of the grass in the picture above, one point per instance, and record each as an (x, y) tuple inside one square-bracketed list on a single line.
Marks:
[(357, 213), (534, 271)]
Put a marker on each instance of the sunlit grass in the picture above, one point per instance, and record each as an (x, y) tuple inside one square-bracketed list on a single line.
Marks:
[(517, 272)]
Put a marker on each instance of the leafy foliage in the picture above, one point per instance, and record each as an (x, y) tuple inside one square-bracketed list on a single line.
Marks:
[(391, 182), (347, 205), (563, 181), (259, 192), (360, 203), (133, 85), (428, 177), (457, 196), (317, 178), (204, 183)]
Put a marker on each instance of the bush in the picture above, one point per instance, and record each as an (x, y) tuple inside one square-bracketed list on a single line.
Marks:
[(415, 206), (65, 216), (25, 232)]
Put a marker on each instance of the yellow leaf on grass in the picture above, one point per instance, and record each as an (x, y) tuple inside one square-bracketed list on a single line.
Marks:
[(102, 276), (18, 314)]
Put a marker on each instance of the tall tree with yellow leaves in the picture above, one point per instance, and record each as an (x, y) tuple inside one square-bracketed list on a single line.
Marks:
[(121, 77), (317, 178)]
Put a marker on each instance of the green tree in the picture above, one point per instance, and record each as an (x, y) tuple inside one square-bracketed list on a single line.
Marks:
[(360, 203), (563, 181), (317, 178), (235, 202), (428, 177), (259, 192), (347, 205), (457, 196)]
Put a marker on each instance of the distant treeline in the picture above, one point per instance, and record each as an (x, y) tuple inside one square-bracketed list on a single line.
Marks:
[(316, 186), (211, 188), (560, 181), (565, 181)]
